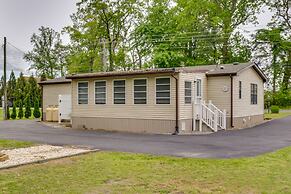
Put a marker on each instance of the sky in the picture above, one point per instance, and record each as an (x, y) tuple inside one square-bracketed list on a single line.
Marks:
[(19, 19)]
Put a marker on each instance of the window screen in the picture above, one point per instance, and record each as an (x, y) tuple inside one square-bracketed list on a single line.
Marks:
[(140, 91), (163, 91)]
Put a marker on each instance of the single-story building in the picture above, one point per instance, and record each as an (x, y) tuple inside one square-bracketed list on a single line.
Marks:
[(51, 89), (168, 100)]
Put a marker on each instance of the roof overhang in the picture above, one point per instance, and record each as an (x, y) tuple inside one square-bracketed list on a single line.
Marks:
[(122, 73), (54, 82), (253, 65)]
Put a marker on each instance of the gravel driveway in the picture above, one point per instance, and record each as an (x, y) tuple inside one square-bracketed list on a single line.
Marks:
[(264, 138)]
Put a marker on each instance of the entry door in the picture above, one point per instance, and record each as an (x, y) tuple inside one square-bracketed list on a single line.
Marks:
[(198, 91)]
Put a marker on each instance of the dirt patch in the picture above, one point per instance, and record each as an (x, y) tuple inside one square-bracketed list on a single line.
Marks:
[(38, 154)]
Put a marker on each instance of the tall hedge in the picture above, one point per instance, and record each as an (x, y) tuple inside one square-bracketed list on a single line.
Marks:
[(20, 111), (36, 112), (14, 114)]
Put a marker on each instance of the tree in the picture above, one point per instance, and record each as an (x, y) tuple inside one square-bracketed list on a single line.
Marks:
[(100, 29), (20, 90), (14, 114), (46, 55), (36, 112), (27, 113), (11, 88), (32, 90), (20, 111), (282, 20)]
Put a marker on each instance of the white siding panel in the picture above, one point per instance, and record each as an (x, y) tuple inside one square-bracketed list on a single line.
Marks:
[(185, 110), (51, 93), (129, 110), (243, 107), (219, 92)]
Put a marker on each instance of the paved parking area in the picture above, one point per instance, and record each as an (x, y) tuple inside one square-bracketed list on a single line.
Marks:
[(267, 137)]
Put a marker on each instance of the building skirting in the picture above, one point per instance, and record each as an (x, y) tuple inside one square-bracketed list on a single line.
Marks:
[(155, 126), (245, 121), (124, 124)]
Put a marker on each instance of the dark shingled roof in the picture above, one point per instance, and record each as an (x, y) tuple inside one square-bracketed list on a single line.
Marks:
[(61, 80), (210, 70)]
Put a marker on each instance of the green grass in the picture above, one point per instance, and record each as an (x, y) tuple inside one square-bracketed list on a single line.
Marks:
[(277, 115), (9, 144), (107, 172)]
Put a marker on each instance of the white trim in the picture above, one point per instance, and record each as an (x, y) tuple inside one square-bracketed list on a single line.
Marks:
[(155, 86), (120, 93), (147, 90), (87, 92), (195, 91), (105, 91)]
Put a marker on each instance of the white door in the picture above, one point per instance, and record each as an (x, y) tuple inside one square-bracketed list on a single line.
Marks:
[(65, 107)]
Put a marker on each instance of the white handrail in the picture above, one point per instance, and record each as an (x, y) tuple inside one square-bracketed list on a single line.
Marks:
[(221, 115), (209, 117)]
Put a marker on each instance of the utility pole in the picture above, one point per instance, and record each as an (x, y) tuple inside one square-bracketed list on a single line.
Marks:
[(4, 83)]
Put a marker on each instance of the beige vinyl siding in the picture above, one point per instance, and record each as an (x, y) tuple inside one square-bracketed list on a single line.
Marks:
[(185, 110), (243, 107), (151, 110), (219, 92), (51, 93)]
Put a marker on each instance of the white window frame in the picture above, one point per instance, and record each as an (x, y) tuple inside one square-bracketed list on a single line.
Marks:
[(191, 86), (156, 90), (113, 94), (147, 88), (78, 92), (105, 91), (198, 98)]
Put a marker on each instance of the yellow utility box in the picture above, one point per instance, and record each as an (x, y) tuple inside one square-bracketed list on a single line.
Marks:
[(49, 114), (55, 114)]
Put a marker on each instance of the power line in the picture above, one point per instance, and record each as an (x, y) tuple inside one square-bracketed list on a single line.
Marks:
[(16, 48)]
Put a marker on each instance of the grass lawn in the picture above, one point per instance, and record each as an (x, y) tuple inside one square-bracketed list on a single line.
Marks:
[(9, 144), (277, 115), (107, 172)]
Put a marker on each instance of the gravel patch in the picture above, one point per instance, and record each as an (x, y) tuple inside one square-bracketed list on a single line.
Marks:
[(37, 154)]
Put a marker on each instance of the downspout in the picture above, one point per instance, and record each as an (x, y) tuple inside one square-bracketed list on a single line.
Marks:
[(231, 101), (177, 106)]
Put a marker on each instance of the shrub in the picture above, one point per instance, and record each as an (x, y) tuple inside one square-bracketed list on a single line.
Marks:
[(27, 112), (8, 112), (36, 112), (275, 109), (13, 115), (20, 112)]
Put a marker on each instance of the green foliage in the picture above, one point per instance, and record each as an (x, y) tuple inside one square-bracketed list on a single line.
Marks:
[(32, 90), (48, 53), (8, 113), (275, 109), (14, 114), (100, 30), (36, 111), (20, 93), (27, 113), (20, 111), (11, 88), (282, 99)]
